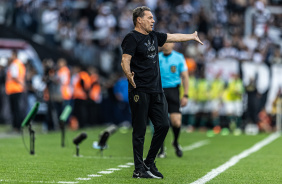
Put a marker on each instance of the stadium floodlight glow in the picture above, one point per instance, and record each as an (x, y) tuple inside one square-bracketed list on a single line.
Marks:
[(63, 118), (78, 140), (27, 122), (103, 138)]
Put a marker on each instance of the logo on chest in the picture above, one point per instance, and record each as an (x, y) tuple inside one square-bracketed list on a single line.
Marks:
[(151, 50), (173, 69)]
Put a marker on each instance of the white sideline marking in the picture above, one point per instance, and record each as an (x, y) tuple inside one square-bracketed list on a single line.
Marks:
[(105, 172), (21, 181), (84, 179), (124, 166), (110, 170), (94, 175), (196, 145), (69, 182), (113, 169), (214, 172)]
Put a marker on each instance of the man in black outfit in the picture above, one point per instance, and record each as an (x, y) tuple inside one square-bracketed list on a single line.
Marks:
[(140, 64)]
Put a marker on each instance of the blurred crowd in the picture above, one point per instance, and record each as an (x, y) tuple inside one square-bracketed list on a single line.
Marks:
[(92, 103), (92, 30)]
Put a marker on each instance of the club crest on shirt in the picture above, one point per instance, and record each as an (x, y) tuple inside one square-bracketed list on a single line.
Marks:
[(136, 98), (173, 69), (151, 52)]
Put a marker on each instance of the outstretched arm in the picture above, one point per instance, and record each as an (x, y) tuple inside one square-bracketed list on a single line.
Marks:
[(183, 37), (125, 64)]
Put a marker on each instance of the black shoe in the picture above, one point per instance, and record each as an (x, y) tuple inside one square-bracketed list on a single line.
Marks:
[(153, 171), (177, 148), (141, 174)]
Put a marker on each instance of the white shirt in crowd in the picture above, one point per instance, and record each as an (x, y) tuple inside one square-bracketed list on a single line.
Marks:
[(49, 20)]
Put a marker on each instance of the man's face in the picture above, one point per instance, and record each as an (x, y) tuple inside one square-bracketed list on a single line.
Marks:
[(61, 63), (147, 21), (167, 48)]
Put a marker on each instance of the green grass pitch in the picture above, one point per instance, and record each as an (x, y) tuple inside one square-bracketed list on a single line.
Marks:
[(54, 164)]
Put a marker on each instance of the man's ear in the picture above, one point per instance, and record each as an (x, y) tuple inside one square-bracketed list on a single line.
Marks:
[(139, 19)]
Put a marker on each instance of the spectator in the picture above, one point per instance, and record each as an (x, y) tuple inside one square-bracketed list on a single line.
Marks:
[(81, 85), (216, 92), (251, 42), (252, 102), (31, 96), (262, 18), (15, 88), (191, 109), (277, 103), (104, 22), (264, 122), (203, 22), (52, 95), (122, 112), (233, 103), (125, 22), (219, 11), (67, 36), (202, 100), (87, 53), (82, 29), (64, 79), (50, 22), (95, 97), (276, 57), (228, 51), (217, 36), (258, 56), (186, 12)]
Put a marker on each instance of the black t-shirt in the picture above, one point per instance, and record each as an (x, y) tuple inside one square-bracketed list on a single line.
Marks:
[(145, 59)]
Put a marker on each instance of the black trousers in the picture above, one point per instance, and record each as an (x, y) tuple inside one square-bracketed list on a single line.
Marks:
[(17, 113), (154, 106)]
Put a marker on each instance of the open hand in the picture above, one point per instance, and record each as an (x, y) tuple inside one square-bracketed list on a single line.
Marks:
[(196, 38), (131, 80)]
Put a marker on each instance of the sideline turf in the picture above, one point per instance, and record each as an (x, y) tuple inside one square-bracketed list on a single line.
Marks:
[(52, 163)]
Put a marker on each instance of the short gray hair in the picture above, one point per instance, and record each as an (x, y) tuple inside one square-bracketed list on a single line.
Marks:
[(139, 12)]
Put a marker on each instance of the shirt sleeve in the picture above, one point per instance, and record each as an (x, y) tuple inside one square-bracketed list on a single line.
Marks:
[(129, 45), (183, 66), (161, 38)]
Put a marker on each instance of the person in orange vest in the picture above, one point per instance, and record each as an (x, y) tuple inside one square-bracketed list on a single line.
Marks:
[(95, 96), (64, 77), (81, 85), (15, 87), (191, 63)]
